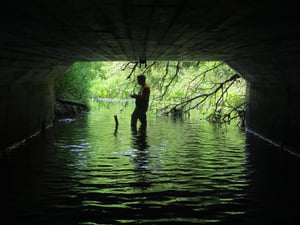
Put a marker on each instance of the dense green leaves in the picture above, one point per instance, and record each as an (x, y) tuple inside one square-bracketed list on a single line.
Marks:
[(77, 81)]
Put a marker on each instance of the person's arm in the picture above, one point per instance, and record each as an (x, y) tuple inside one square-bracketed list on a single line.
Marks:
[(134, 96)]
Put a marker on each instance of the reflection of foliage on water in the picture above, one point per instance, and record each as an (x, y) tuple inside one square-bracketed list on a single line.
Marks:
[(213, 88)]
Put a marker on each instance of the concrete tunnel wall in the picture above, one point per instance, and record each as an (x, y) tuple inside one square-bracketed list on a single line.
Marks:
[(273, 109), (274, 114), (27, 104), (26, 108)]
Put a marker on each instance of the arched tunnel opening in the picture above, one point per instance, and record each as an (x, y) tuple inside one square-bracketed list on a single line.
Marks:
[(28, 106)]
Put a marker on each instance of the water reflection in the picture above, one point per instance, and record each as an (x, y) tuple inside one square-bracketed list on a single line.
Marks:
[(182, 172), (141, 156)]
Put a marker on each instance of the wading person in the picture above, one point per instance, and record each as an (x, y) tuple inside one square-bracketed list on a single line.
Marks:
[(141, 103)]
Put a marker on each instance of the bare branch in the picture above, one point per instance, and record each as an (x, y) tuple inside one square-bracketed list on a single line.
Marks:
[(148, 67), (133, 69), (206, 95), (171, 81)]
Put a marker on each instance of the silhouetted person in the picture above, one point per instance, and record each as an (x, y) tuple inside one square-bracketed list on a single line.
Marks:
[(141, 103)]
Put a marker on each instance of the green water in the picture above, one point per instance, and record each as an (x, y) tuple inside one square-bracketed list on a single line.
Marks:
[(188, 171)]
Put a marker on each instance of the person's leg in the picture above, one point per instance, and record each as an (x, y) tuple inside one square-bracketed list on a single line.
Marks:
[(143, 120), (134, 118)]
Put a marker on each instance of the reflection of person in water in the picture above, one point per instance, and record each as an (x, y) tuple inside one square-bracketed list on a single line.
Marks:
[(141, 103), (141, 158)]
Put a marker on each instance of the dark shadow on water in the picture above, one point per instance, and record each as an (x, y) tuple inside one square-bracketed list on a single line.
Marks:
[(274, 186), (141, 157)]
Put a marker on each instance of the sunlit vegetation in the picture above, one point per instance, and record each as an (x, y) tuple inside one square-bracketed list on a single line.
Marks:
[(212, 88)]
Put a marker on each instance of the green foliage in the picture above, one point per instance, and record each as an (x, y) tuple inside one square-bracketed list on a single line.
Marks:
[(173, 84), (76, 82)]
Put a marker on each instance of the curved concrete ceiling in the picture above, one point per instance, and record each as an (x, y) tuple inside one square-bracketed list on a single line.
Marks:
[(241, 33)]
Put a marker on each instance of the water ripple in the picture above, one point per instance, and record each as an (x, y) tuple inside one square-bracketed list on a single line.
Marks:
[(176, 173)]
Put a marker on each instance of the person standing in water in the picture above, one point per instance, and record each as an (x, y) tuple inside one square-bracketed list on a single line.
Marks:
[(141, 103)]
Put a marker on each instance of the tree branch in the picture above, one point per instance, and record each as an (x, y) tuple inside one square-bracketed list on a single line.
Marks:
[(132, 70), (206, 95)]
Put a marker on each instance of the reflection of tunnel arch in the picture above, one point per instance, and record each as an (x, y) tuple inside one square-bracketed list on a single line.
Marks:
[(40, 40)]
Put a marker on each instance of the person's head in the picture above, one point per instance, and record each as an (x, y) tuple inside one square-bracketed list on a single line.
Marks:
[(141, 79)]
